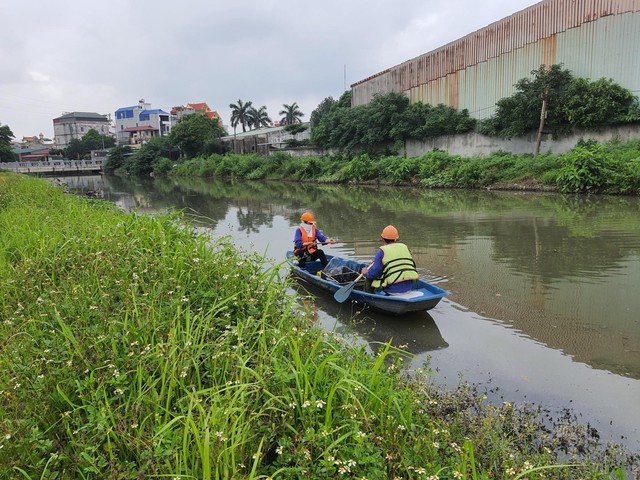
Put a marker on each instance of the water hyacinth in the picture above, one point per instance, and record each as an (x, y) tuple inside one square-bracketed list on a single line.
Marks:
[(136, 347)]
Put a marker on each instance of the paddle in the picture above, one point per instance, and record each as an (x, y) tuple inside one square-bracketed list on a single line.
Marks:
[(343, 293), (358, 241)]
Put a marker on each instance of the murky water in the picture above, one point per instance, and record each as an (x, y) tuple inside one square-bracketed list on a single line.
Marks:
[(544, 301)]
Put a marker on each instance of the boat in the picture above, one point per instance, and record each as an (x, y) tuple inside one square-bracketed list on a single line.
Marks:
[(341, 272)]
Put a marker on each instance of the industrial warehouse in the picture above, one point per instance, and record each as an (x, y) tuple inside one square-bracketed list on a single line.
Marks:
[(593, 39)]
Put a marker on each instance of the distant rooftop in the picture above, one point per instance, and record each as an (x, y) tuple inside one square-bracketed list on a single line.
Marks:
[(82, 116)]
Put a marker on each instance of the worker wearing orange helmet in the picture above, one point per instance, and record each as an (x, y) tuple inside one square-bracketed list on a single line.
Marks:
[(305, 241), (393, 269)]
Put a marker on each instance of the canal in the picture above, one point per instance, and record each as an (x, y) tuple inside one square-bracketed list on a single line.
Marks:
[(544, 303)]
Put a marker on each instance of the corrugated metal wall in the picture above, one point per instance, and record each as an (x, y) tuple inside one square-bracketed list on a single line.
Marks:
[(592, 38)]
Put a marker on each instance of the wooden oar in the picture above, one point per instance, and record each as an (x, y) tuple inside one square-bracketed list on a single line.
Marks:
[(358, 241), (343, 293)]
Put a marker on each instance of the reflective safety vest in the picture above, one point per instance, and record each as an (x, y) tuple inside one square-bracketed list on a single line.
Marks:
[(397, 265), (307, 238)]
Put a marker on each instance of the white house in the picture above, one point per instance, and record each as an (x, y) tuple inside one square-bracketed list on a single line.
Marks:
[(139, 123), (76, 125)]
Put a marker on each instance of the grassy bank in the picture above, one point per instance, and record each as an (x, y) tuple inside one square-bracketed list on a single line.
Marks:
[(131, 347), (613, 168)]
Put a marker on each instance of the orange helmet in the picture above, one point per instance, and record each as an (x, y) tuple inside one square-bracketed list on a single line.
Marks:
[(307, 217), (390, 233)]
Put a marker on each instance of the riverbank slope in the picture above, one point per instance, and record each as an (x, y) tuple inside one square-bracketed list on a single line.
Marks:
[(132, 346)]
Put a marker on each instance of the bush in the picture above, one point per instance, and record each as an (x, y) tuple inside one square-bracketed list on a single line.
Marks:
[(584, 170), (359, 169), (162, 166)]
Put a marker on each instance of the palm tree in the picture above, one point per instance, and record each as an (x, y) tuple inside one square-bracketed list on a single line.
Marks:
[(292, 114), (259, 118), (240, 114)]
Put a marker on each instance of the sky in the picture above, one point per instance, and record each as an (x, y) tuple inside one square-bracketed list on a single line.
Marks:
[(59, 56)]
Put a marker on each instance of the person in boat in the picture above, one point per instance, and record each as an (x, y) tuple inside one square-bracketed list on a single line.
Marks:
[(305, 241), (393, 269)]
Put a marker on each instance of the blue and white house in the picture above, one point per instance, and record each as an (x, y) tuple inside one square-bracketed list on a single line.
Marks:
[(139, 123)]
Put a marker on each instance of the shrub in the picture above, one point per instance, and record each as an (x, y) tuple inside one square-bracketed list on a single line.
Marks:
[(583, 170), (360, 168), (162, 166)]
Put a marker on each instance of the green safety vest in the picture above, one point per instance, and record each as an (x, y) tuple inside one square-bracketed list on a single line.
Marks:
[(397, 265)]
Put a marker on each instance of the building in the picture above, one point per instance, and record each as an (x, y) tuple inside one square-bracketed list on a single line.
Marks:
[(32, 153), (180, 111), (36, 140), (76, 125), (139, 123), (265, 141), (593, 39)]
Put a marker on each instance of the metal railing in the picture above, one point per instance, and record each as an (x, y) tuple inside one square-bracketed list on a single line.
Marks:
[(52, 166)]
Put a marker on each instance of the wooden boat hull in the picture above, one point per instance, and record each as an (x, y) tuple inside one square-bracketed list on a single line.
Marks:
[(424, 297)]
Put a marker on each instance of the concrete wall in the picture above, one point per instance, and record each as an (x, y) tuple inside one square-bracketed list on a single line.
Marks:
[(473, 144)]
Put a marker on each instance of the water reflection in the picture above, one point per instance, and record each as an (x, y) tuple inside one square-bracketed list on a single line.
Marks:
[(543, 288), (415, 333), (562, 270)]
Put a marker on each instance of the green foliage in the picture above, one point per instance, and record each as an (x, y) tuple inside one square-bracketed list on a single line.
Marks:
[(615, 168), (584, 169), (141, 162), (258, 118), (116, 157), (92, 140), (427, 121), (360, 168), (291, 114), (295, 128), (240, 114), (590, 105), (401, 170), (519, 114), (6, 136), (162, 166), (571, 103), (382, 126), (196, 133), (135, 347), (594, 168)]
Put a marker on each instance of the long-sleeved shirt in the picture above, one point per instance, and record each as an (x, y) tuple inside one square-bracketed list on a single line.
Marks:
[(297, 238), (376, 269)]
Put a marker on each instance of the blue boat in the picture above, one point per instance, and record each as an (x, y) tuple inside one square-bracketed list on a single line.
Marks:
[(341, 272)]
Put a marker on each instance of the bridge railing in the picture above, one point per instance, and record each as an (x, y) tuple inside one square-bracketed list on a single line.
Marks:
[(53, 165)]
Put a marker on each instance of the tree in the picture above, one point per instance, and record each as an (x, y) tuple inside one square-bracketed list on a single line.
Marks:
[(194, 134), (74, 150), (143, 160), (92, 140), (116, 157), (291, 114), (554, 101), (603, 102), (240, 115), (383, 125), (6, 152), (327, 118), (259, 118), (520, 113)]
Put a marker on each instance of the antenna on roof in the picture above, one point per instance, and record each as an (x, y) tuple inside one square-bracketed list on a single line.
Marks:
[(345, 77)]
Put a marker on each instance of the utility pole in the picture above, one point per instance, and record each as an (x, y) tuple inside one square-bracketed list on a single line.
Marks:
[(543, 116)]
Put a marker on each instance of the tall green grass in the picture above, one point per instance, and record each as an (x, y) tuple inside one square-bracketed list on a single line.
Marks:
[(613, 168), (132, 347)]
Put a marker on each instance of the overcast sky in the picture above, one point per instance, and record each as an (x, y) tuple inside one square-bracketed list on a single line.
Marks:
[(60, 56)]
